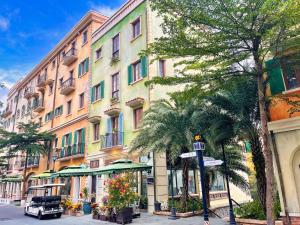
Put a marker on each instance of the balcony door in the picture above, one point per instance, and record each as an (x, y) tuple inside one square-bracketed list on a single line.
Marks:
[(115, 129)]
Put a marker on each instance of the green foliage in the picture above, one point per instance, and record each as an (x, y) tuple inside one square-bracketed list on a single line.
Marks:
[(193, 204)]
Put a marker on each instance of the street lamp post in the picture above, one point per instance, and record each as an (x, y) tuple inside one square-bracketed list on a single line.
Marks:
[(173, 209), (54, 158), (199, 147), (231, 214)]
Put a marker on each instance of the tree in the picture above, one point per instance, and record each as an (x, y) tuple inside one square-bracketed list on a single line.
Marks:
[(215, 41), (28, 141), (238, 107), (168, 127)]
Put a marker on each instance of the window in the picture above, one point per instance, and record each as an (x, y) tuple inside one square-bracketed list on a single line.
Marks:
[(73, 45), (98, 53), (83, 67), (23, 111), (55, 142), (69, 107), (115, 86), (291, 71), (28, 106), (58, 111), (97, 92), (50, 89), (162, 67), (53, 63), (84, 37), (61, 80), (178, 182), (138, 114), (81, 100), (18, 114), (96, 131), (137, 71), (218, 183), (116, 46), (136, 28), (49, 116)]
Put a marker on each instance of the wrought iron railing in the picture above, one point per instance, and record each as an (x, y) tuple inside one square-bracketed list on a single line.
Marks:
[(37, 103), (71, 52), (112, 139), (42, 78), (78, 149), (68, 83), (31, 161)]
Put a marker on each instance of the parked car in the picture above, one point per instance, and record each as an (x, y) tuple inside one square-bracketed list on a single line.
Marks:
[(41, 203)]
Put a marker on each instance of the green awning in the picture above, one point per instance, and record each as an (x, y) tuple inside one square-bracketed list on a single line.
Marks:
[(73, 171), (45, 175), (12, 179), (121, 166)]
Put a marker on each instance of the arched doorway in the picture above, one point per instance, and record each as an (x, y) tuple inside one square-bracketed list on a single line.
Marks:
[(65, 190), (296, 171)]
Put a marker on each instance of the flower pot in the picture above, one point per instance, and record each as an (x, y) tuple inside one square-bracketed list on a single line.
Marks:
[(86, 207), (95, 217), (157, 206), (112, 218), (102, 218), (124, 216)]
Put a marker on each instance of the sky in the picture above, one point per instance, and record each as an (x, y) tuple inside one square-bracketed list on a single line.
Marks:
[(29, 29)]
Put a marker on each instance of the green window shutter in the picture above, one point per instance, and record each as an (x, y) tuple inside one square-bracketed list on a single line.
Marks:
[(144, 66), (62, 153), (275, 76), (102, 89), (83, 140), (129, 74), (62, 109), (86, 64), (79, 70), (92, 94), (75, 143)]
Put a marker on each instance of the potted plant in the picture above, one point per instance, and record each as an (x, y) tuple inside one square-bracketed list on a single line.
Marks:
[(86, 203), (95, 211), (143, 202), (76, 209), (67, 205), (120, 197)]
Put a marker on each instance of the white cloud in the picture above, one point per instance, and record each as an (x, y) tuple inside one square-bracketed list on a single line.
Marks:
[(4, 23), (105, 10)]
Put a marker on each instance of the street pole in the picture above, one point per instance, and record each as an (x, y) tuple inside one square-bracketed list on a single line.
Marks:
[(173, 209), (231, 214), (202, 173)]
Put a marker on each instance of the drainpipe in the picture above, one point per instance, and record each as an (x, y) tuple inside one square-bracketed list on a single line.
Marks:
[(280, 177), (53, 107)]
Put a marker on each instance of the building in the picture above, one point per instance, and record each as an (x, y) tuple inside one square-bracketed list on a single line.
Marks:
[(284, 75), (55, 94), (119, 97)]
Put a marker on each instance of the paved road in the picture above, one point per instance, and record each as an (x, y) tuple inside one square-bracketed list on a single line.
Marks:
[(10, 215)]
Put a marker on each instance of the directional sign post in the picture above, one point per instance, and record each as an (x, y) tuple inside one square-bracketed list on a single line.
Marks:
[(199, 146)]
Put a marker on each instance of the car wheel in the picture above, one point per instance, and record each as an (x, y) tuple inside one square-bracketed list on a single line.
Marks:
[(58, 215), (40, 216), (25, 213)]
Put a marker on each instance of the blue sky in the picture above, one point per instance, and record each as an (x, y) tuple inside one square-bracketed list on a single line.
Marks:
[(30, 29)]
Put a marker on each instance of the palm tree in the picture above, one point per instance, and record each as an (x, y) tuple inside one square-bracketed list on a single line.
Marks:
[(28, 141), (168, 127), (233, 114)]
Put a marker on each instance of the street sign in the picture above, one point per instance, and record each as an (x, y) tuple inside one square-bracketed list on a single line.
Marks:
[(199, 146), (188, 155), (209, 163)]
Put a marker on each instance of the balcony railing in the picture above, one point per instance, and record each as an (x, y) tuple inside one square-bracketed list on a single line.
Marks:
[(28, 93), (110, 140), (41, 82), (7, 112), (31, 162), (38, 105), (76, 150), (67, 86), (70, 57)]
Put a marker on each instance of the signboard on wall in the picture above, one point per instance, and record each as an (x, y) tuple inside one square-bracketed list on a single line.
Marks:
[(94, 164), (150, 180)]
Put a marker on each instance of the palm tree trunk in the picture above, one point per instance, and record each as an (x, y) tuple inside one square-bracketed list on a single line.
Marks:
[(185, 176), (207, 185), (259, 166), (24, 175), (265, 143)]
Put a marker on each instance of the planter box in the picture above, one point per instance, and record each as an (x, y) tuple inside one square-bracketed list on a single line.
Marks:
[(182, 215), (124, 216), (254, 222), (103, 218), (95, 217)]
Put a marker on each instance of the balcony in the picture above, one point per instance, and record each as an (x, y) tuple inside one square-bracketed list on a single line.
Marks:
[(65, 153), (41, 82), (7, 112), (67, 86), (38, 105), (33, 161), (29, 92), (110, 140), (70, 57), (78, 150)]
